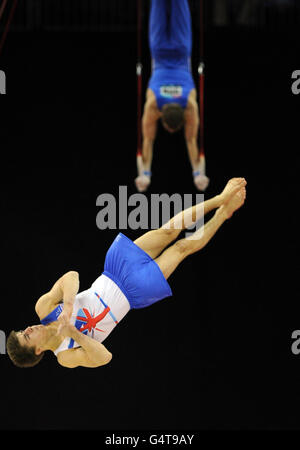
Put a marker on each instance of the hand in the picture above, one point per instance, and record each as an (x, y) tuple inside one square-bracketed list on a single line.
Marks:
[(64, 328), (201, 182), (68, 308), (142, 182), (64, 320), (66, 313)]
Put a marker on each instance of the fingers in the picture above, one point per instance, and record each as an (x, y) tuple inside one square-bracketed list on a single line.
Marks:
[(63, 320), (142, 182), (201, 182)]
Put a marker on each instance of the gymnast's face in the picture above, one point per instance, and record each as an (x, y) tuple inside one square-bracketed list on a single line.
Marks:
[(32, 336)]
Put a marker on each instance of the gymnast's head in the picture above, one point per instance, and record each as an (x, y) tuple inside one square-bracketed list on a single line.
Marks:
[(25, 348), (172, 117)]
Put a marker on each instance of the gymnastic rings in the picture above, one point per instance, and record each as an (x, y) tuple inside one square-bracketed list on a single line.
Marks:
[(9, 20)]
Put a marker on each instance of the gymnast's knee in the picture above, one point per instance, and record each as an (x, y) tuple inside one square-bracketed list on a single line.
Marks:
[(168, 232), (182, 247)]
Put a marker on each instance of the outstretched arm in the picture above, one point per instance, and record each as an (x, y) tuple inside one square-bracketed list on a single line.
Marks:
[(149, 130), (191, 134)]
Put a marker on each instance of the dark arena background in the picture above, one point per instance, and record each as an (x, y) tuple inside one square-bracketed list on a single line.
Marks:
[(218, 354)]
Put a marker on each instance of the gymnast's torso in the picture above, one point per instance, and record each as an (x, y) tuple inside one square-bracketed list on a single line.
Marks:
[(171, 84), (96, 311)]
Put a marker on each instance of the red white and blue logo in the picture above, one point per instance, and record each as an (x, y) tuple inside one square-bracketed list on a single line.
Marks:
[(86, 322)]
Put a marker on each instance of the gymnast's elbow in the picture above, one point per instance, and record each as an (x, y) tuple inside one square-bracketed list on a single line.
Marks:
[(101, 361), (98, 357), (107, 359)]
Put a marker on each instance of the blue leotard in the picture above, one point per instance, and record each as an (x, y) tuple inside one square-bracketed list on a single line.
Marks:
[(170, 38)]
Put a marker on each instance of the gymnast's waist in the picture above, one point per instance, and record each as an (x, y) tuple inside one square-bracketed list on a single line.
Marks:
[(164, 77), (171, 65)]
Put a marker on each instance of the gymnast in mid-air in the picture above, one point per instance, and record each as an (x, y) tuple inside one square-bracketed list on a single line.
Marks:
[(74, 324), (171, 94)]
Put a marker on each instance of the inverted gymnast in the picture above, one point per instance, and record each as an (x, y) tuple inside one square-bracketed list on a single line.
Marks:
[(74, 325), (171, 95)]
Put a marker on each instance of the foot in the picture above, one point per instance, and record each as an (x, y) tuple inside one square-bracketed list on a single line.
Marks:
[(142, 182), (235, 202), (201, 182), (231, 188)]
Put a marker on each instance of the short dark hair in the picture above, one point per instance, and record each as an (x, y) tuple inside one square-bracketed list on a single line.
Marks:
[(173, 116), (21, 356)]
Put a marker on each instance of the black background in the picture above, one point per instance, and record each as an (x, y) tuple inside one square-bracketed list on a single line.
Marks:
[(217, 355)]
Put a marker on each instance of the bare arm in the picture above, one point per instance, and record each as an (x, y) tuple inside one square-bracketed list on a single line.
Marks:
[(191, 132), (149, 129), (91, 353), (64, 290), (197, 160), (191, 135)]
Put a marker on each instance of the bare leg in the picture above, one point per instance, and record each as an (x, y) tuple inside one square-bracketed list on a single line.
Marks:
[(155, 241), (169, 260)]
